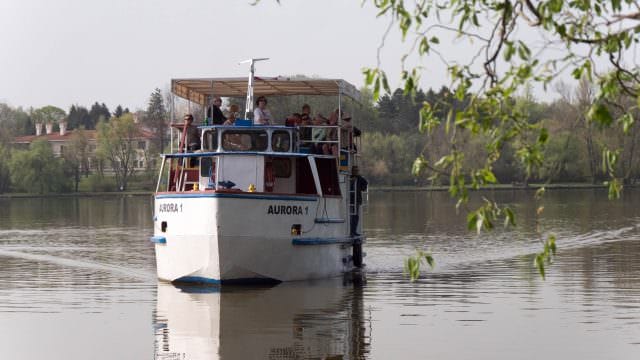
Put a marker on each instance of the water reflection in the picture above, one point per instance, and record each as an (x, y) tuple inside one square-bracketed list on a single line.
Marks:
[(322, 319)]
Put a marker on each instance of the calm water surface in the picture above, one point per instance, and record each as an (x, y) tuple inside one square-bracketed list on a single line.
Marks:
[(77, 281)]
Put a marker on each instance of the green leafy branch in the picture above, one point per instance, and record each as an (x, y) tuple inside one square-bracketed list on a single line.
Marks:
[(504, 64), (413, 264)]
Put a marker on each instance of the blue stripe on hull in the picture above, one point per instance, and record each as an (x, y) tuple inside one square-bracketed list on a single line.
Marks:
[(328, 221), (210, 281), (158, 239), (237, 196), (322, 241), (197, 279)]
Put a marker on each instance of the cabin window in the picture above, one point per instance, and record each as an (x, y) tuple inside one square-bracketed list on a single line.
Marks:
[(328, 174), (210, 140), (142, 145), (207, 167), (242, 140), (304, 177), (282, 167), (280, 141)]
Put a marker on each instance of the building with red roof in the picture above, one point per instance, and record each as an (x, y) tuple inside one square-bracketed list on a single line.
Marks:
[(60, 142)]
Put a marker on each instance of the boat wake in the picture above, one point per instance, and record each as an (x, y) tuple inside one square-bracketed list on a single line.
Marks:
[(113, 269), (454, 251)]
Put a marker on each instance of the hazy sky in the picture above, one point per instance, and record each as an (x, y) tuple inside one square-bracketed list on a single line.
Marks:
[(67, 52)]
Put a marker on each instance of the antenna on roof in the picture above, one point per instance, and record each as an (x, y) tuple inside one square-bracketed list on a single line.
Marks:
[(249, 108)]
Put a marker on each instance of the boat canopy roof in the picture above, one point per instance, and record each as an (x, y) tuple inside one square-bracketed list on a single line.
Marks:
[(199, 89)]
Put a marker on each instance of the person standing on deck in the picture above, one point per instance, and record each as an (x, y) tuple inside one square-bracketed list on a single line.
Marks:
[(357, 185), (215, 114), (192, 137), (262, 115)]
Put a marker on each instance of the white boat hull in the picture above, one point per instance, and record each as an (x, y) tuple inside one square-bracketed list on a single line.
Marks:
[(226, 237)]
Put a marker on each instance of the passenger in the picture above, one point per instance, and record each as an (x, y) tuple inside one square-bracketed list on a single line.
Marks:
[(192, 136), (262, 115), (318, 134), (306, 110), (293, 120), (233, 113), (357, 185), (305, 132), (346, 132), (332, 135), (214, 113)]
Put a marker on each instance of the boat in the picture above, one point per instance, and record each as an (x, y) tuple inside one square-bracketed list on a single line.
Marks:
[(254, 204)]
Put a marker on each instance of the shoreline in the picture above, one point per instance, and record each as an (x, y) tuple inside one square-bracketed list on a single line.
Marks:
[(498, 187), (76, 194), (503, 187)]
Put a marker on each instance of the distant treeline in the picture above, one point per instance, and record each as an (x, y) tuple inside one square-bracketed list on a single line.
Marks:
[(18, 121), (390, 139)]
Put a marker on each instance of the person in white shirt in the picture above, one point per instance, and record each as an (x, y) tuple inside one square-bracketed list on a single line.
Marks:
[(262, 115)]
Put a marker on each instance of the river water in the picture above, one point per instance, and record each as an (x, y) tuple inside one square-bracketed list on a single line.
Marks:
[(77, 281)]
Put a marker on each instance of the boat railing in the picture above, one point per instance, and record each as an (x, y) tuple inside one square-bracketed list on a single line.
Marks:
[(332, 140), (336, 141), (319, 139)]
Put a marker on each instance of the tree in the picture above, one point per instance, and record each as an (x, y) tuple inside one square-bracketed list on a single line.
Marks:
[(119, 111), (156, 118), (37, 169), (76, 155), (116, 144), (5, 175), (48, 114), (502, 62), (14, 122), (97, 112), (79, 117)]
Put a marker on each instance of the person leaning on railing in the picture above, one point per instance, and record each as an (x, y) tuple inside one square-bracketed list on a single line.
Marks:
[(262, 115)]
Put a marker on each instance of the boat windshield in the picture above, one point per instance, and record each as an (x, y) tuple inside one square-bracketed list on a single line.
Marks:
[(244, 140), (210, 140)]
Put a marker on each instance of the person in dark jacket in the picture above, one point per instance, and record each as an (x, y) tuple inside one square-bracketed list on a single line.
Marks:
[(215, 114), (358, 184)]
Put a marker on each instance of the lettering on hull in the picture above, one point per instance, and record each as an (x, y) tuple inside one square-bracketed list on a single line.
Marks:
[(171, 207), (287, 210)]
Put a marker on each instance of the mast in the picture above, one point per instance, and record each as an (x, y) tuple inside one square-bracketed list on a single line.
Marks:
[(249, 107)]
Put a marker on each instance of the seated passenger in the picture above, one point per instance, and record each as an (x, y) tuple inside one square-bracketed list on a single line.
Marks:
[(233, 113), (262, 115)]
